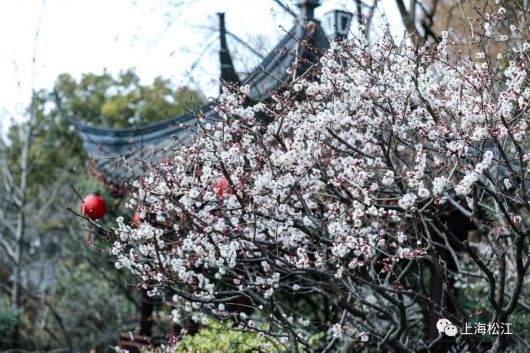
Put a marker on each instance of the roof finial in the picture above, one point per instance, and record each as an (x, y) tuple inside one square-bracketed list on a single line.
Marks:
[(307, 8), (228, 73)]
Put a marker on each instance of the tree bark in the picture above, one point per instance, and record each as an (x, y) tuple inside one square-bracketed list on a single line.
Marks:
[(25, 138)]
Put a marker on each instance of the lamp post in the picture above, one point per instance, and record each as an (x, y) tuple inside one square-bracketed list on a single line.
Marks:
[(337, 23)]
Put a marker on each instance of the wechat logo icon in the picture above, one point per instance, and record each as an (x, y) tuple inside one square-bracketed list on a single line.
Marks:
[(447, 327)]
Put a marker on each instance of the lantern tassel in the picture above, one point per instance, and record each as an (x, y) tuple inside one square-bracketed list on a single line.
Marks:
[(89, 237)]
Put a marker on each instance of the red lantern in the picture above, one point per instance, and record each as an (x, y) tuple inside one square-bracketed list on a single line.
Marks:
[(94, 206), (221, 187), (136, 219)]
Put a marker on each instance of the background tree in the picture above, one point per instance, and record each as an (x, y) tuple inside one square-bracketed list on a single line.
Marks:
[(50, 276), (122, 101)]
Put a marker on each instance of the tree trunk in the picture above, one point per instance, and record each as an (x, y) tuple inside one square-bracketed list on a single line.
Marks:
[(146, 312), (25, 138)]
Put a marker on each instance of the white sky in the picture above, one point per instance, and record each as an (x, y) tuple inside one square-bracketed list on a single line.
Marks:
[(153, 36)]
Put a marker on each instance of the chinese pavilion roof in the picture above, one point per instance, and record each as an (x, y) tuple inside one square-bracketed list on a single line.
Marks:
[(119, 155)]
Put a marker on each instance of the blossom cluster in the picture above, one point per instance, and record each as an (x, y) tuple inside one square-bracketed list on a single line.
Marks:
[(334, 185)]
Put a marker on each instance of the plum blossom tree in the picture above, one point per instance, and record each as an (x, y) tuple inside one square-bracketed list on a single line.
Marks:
[(339, 198)]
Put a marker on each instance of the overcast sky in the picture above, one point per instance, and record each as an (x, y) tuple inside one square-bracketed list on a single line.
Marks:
[(156, 37)]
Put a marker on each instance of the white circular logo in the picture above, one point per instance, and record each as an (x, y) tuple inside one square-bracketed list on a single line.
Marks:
[(442, 323), (450, 330)]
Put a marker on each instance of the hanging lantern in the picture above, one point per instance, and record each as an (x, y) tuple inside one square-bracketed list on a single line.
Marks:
[(136, 219), (94, 207), (221, 187)]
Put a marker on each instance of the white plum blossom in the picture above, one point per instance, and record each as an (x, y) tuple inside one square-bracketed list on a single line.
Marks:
[(466, 184), (423, 192), (363, 337), (438, 185), (407, 201), (305, 194), (401, 237), (336, 331), (388, 179)]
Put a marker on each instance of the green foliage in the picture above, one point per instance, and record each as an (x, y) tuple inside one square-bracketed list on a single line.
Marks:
[(90, 307), (102, 100), (217, 337), (520, 321), (123, 101), (224, 337), (8, 321)]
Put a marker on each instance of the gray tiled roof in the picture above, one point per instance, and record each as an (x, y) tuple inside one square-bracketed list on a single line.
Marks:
[(110, 140), (119, 155)]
